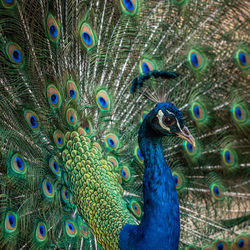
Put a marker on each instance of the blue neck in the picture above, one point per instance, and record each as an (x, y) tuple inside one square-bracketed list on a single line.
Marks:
[(160, 225)]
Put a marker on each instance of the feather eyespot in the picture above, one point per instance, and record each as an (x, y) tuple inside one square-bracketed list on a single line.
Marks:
[(103, 100), (135, 208), (87, 126), (198, 112), (72, 91), (71, 117), (196, 59), (138, 154), (189, 148), (84, 231), (65, 195), (241, 242), (53, 164), (112, 141), (54, 96), (146, 66), (15, 54), (129, 7), (59, 138), (32, 120), (125, 173), (229, 157), (81, 131), (70, 228), (178, 180), (240, 113), (53, 29), (88, 37), (113, 161), (10, 222), (41, 232), (216, 192), (242, 59), (48, 189), (221, 245), (18, 165), (8, 3)]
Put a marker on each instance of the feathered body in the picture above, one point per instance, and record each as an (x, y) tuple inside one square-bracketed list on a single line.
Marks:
[(81, 81)]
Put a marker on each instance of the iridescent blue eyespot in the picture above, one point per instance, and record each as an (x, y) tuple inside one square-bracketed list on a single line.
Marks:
[(54, 99), (190, 147), (70, 228), (33, 121), (196, 111), (242, 58), (72, 94), (87, 38), (217, 191), (128, 4), (55, 166), (111, 142), (17, 56), (19, 163), (240, 243), (42, 230), (8, 3), (53, 31), (194, 60), (49, 187), (238, 113), (86, 129), (12, 220), (228, 156), (220, 246), (175, 179), (140, 154), (66, 194), (102, 102), (124, 173), (60, 139), (135, 208), (145, 68), (129, 7)]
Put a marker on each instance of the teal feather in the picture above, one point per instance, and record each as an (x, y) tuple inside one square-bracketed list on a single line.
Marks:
[(66, 70)]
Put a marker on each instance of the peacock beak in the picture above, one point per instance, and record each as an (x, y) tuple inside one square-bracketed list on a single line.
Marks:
[(186, 135)]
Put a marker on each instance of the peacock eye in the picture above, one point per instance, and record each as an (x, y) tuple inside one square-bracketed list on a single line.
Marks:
[(169, 121)]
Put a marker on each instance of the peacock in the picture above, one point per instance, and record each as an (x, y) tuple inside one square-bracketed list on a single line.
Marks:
[(124, 124)]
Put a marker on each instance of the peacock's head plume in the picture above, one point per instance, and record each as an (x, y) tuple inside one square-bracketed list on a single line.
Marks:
[(166, 120)]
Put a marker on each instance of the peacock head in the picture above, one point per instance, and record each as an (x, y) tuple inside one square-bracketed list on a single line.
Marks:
[(166, 120)]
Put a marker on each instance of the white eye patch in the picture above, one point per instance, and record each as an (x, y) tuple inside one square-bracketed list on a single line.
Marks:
[(160, 116)]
